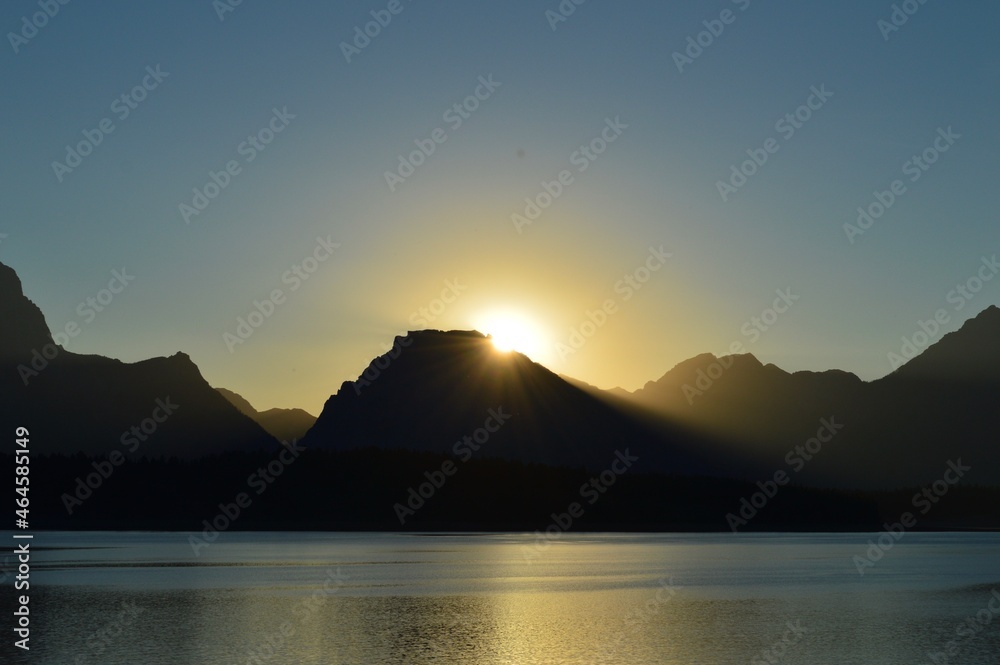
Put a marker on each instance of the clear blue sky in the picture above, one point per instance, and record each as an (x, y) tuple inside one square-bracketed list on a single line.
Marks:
[(656, 184)]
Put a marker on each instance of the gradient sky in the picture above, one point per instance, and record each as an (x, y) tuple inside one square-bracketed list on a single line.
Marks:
[(323, 176)]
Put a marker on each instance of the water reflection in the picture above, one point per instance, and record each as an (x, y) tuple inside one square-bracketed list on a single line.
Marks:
[(472, 600)]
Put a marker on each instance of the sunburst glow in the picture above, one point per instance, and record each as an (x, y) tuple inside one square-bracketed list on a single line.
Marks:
[(512, 331)]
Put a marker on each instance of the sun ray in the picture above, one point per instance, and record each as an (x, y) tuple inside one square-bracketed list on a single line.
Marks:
[(512, 331)]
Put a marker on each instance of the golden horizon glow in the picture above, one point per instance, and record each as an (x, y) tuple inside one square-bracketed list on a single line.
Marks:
[(510, 330)]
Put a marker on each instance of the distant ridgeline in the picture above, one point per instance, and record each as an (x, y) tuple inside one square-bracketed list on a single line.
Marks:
[(444, 431)]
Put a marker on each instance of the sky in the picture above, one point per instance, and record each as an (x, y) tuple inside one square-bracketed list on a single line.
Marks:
[(215, 154)]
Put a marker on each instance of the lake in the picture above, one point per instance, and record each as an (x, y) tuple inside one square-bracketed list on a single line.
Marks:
[(484, 599)]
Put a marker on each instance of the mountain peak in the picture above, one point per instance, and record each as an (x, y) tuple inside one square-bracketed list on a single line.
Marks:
[(433, 347), (970, 353), (97, 398), (990, 315), (435, 391), (688, 371), (283, 424), (24, 326)]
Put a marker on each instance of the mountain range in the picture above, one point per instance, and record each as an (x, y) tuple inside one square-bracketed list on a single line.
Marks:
[(453, 394), (75, 403), (285, 425), (898, 430)]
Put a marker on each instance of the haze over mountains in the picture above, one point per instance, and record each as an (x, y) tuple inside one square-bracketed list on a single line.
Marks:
[(452, 393), (898, 430), (283, 424), (443, 386)]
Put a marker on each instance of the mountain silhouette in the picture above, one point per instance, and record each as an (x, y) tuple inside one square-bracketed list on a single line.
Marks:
[(899, 430), (24, 327), (746, 406), (286, 425), (968, 355), (435, 388), (88, 403), (440, 393)]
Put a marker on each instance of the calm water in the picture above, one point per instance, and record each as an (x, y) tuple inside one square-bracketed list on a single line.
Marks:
[(141, 598)]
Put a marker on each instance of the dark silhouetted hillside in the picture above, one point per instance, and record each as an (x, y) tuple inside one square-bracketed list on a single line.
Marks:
[(359, 489), (438, 392), (898, 431), (87, 403), (436, 387), (283, 424)]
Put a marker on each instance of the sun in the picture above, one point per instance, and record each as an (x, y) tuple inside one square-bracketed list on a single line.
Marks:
[(512, 331)]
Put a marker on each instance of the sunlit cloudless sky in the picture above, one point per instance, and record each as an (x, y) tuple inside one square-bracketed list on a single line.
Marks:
[(323, 176)]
